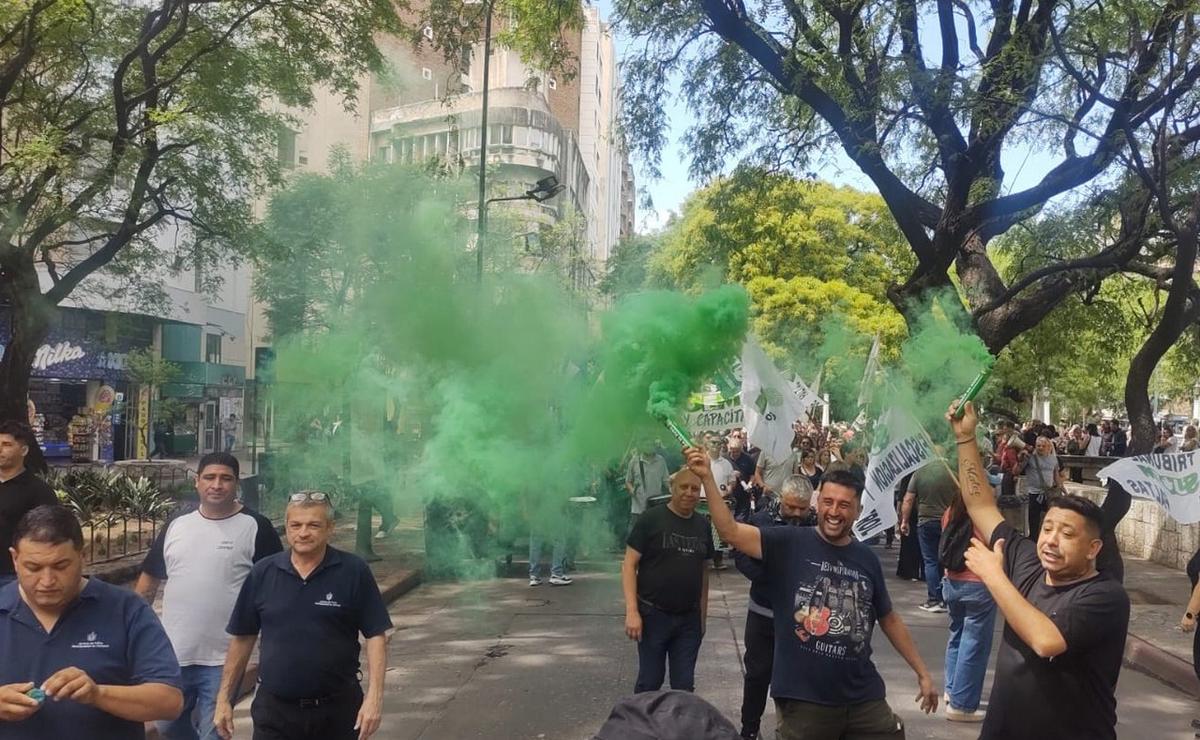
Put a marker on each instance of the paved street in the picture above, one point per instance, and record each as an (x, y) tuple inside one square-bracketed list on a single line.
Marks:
[(502, 660)]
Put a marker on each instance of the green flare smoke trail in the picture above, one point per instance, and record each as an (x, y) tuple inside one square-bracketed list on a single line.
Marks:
[(403, 378)]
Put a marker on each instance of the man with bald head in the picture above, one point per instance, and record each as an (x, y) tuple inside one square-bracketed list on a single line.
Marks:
[(664, 579), (792, 508)]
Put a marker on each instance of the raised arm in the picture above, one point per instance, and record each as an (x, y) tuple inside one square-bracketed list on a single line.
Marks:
[(743, 537), (977, 491)]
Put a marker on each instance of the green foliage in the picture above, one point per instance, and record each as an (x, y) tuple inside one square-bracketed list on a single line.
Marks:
[(146, 367), (627, 270), (759, 224), (137, 136), (98, 497)]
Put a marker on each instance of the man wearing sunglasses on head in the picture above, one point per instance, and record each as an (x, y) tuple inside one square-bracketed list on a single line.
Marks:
[(310, 603)]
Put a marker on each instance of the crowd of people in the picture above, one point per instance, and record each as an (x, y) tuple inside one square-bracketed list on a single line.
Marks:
[(83, 658), (994, 532)]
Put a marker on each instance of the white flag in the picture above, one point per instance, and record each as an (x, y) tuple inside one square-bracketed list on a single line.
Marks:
[(769, 403), (1170, 480), (900, 446), (806, 396), (869, 374)]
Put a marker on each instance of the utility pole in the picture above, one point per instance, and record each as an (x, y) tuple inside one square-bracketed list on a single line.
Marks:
[(481, 214)]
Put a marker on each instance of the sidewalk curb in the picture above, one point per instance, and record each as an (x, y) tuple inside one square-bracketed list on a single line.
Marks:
[(390, 589), (1155, 662)]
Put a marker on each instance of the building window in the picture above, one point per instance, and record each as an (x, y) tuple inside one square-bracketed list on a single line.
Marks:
[(212, 348), (287, 148), (553, 84), (426, 73)]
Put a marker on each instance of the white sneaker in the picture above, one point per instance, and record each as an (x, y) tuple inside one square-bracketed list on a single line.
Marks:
[(959, 715), (561, 581), (380, 534), (535, 581)]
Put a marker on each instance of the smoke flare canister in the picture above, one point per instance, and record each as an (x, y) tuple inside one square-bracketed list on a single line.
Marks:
[(972, 391), (677, 433)]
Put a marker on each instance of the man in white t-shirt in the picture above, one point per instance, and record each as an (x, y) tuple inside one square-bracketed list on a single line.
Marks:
[(204, 556)]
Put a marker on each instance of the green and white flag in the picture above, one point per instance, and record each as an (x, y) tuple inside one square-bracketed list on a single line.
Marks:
[(769, 403), (1170, 480), (899, 447)]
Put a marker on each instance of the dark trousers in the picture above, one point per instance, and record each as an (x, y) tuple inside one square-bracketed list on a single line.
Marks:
[(929, 534), (759, 638), (286, 719), (667, 639), (1037, 510)]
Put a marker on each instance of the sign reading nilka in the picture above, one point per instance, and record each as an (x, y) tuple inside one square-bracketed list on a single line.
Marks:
[(55, 354), (1171, 480)]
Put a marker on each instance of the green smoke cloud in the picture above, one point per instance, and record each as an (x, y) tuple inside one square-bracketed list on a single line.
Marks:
[(501, 399)]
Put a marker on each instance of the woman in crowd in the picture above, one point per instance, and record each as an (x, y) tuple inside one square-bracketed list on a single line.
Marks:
[(1043, 480), (1076, 445), (972, 617), (809, 469), (1094, 440)]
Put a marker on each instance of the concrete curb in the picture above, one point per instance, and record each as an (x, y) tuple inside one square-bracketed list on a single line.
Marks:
[(1155, 662), (391, 589)]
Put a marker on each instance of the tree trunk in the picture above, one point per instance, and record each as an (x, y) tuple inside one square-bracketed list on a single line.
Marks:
[(29, 324), (1176, 317)]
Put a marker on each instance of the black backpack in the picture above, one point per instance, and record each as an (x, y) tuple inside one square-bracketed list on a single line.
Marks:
[(952, 548)]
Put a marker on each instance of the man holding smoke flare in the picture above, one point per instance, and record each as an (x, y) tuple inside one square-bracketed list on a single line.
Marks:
[(829, 591)]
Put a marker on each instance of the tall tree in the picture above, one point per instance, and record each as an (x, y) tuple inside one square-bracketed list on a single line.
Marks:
[(789, 82), (124, 122)]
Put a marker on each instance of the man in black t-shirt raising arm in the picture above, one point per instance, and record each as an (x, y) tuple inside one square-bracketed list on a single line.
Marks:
[(1064, 631), (827, 592), (665, 583)]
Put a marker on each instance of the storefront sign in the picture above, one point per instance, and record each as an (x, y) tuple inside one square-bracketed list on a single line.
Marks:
[(49, 355), (73, 358)]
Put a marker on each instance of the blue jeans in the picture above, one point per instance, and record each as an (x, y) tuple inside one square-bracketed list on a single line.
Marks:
[(201, 684), (672, 639), (557, 557), (929, 534), (972, 619)]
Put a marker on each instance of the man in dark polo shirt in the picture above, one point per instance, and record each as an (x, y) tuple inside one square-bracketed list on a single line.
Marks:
[(664, 580), (97, 651), (1064, 624), (310, 603), (20, 489)]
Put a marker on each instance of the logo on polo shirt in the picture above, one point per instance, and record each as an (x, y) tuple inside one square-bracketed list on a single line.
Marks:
[(328, 601), (90, 642)]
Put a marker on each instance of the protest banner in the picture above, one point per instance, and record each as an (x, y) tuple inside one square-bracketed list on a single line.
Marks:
[(1171, 480)]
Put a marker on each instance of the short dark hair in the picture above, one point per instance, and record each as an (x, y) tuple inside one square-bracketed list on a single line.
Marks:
[(1085, 507), (19, 431), (843, 477), (220, 458), (49, 525)]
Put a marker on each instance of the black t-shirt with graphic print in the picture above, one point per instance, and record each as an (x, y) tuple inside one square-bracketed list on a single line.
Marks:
[(671, 571), (1070, 696), (826, 600)]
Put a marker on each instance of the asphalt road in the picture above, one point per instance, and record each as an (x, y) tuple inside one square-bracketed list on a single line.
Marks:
[(501, 660)]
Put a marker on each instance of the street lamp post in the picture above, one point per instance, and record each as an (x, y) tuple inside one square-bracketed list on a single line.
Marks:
[(481, 215)]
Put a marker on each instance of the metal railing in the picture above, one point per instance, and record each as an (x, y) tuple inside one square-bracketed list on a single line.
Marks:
[(116, 537)]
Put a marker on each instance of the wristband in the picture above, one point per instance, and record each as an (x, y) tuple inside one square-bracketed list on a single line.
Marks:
[(964, 441)]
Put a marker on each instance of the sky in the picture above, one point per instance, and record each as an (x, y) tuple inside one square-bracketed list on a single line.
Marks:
[(1023, 166)]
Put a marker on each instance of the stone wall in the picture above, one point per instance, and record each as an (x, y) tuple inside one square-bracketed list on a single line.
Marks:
[(1147, 532)]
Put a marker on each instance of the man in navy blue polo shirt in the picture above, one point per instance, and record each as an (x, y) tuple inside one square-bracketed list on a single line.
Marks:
[(97, 652), (310, 604)]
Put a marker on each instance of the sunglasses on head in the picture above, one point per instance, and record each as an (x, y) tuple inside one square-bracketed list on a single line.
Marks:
[(296, 498)]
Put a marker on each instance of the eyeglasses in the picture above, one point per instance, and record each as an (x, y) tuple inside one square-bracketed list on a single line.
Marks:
[(296, 498)]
